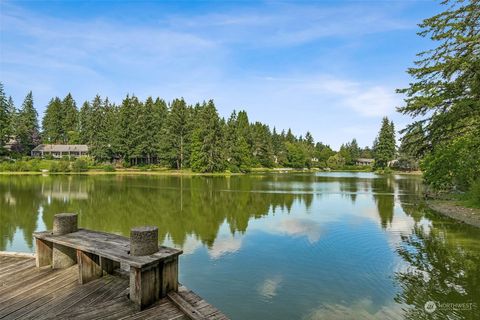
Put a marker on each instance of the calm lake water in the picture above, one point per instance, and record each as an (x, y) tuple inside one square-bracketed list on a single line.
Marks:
[(276, 246)]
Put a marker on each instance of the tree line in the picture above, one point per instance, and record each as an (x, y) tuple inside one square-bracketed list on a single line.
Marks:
[(173, 134)]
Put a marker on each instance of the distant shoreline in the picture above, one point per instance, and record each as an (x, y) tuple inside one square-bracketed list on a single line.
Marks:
[(169, 172)]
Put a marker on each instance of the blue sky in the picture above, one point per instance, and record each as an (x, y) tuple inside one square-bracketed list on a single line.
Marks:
[(330, 67)]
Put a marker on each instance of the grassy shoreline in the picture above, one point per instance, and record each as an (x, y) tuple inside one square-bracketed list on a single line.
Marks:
[(188, 172), (457, 210)]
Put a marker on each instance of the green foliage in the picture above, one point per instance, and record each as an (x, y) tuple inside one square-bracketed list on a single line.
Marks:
[(60, 166), (444, 98), (27, 133), (336, 161), (350, 152), (473, 195), (178, 134), (296, 155), (384, 147), (207, 149), (79, 165), (109, 168), (5, 118), (454, 165)]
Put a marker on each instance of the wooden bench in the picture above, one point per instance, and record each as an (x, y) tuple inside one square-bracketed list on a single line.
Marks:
[(151, 276)]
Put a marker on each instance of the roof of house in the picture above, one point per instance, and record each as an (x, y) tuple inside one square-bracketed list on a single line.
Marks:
[(61, 148), (365, 160)]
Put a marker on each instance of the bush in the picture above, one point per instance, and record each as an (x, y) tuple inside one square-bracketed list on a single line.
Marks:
[(474, 193), (453, 166), (108, 168), (60, 166), (79, 165)]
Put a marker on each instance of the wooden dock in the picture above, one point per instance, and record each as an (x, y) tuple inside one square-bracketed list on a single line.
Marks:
[(27, 292)]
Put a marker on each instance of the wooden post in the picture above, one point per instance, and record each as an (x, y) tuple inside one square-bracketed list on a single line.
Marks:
[(44, 253), (144, 286), (169, 276), (88, 267)]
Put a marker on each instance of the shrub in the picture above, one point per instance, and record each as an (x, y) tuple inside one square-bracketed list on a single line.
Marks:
[(80, 165), (474, 193), (108, 168)]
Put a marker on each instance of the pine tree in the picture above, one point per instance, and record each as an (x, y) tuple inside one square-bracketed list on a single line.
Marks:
[(97, 127), (262, 145), (53, 122), (84, 119), (385, 144), (445, 95), (70, 119), (178, 134), (160, 114), (207, 149), (5, 125), (27, 128)]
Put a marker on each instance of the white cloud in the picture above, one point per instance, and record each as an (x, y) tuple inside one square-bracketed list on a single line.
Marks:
[(300, 228), (225, 244), (269, 287)]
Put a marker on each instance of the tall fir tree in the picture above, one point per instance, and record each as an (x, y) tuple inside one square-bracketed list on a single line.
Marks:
[(207, 141), (28, 135), (84, 119), (178, 131), (5, 125), (52, 123), (385, 146), (70, 120)]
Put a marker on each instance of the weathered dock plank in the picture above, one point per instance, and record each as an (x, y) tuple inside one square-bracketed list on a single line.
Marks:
[(27, 292)]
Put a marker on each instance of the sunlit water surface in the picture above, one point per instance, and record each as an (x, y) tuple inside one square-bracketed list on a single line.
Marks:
[(275, 246)]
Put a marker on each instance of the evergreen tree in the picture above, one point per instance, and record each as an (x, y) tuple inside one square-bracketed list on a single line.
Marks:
[(160, 114), (237, 148), (70, 119), (323, 153), (27, 127), (99, 140), (444, 98), (5, 125), (385, 145), (53, 122), (262, 145), (84, 123), (207, 149), (178, 132)]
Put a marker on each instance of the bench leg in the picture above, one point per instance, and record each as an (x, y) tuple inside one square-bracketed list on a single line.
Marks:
[(144, 286), (108, 266), (169, 279), (88, 267), (44, 253), (63, 257), (148, 286)]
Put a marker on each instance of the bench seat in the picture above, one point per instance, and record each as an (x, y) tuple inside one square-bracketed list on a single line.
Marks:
[(107, 245), (151, 276)]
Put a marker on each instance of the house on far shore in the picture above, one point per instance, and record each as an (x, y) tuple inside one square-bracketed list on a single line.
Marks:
[(364, 162), (60, 150)]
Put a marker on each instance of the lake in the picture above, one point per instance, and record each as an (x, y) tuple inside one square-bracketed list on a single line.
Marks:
[(276, 246)]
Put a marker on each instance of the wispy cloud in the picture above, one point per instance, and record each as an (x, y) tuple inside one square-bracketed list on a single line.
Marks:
[(262, 58)]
